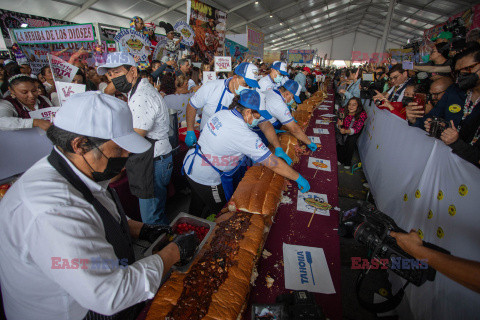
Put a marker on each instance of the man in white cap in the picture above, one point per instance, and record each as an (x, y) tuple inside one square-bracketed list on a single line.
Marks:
[(273, 80), (218, 95), (66, 248), (148, 173)]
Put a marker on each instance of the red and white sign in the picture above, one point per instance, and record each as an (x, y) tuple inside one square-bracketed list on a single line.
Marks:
[(62, 70), (223, 64), (44, 114), (66, 90)]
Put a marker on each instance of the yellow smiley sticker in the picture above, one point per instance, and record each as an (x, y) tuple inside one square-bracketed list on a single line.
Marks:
[(418, 194), (430, 214), (405, 197), (463, 190), (440, 195), (452, 210), (420, 233), (440, 232), (377, 146), (454, 108)]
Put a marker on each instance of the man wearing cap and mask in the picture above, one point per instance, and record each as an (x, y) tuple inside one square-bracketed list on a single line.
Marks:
[(277, 104), (66, 248), (218, 95), (278, 71), (148, 173), (223, 147)]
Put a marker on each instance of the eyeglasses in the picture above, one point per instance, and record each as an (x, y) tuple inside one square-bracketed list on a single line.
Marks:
[(466, 69), (395, 77), (436, 94)]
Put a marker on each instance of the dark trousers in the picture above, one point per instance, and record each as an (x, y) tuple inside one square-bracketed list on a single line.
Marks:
[(302, 96), (345, 151), (205, 199)]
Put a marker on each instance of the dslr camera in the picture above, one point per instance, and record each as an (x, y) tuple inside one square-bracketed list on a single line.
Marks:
[(437, 126), (371, 228)]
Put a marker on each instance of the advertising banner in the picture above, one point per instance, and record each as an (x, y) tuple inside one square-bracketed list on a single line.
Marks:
[(255, 41), (235, 50), (301, 56), (269, 56), (209, 25), (135, 43), (55, 34)]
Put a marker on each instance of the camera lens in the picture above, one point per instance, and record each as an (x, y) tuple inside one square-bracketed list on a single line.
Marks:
[(365, 233)]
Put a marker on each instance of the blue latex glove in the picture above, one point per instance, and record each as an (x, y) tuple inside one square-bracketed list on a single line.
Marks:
[(312, 146), (191, 138), (279, 131), (295, 120), (281, 154), (303, 184)]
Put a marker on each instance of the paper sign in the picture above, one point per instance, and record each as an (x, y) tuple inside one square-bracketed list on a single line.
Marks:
[(328, 115), (66, 90), (322, 122), (209, 76), (315, 140), (55, 34), (319, 164), (223, 64), (320, 131), (135, 43), (323, 108), (328, 101), (62, 70), (45, 113), (407, 65), (306, 202), (186, 31), (306, 268)]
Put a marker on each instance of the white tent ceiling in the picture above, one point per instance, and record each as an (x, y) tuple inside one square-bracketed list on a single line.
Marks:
[(287, 24)]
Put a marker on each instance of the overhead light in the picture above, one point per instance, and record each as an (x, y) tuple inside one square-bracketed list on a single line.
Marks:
[(281, 23), (256, 2), (24, 25), (271, 16)]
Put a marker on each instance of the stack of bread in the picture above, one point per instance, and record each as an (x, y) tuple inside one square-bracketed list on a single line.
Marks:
[(217, 284)]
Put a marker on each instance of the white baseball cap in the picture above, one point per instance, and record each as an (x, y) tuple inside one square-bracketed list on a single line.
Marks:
[(280, 66), (116, 59), (249, 72), (99, 115)]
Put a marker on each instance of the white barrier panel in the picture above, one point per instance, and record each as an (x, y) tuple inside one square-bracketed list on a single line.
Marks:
[(20, 149), (422, 185)]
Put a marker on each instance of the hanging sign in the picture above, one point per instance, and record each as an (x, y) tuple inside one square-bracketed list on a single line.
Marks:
[(135, 43), (223, 64), (186, 31), (55, 34)]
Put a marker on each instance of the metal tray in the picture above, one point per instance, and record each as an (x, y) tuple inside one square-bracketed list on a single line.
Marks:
[(182, 217)]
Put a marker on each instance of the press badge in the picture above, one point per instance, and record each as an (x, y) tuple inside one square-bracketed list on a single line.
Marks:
[(454, 108)]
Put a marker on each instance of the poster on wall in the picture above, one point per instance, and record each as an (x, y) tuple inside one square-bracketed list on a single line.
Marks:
[(235, 50), (284, 55), (269, 56), (135, 43), (14, 20), (255, 40), (209, 26), (55, 34), (186, 31), (301, 56)]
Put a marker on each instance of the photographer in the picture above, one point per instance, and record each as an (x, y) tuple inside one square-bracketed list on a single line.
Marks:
[(465, 142), (459, 270), (380, 83)]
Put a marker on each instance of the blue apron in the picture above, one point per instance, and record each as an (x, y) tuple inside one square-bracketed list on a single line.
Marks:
[(230, 179), (219, 105)]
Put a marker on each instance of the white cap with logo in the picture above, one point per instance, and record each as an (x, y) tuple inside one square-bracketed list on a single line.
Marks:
[(116, 59), (99, 115)]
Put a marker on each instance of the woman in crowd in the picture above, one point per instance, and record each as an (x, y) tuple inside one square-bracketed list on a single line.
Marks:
[(40, 88), (195, 80), (181, 85), (167, 84), (353, 89), (11, 68), (24, 97), (349, 129)]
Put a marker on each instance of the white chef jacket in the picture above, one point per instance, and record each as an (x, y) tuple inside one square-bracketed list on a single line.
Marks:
[(267, 83), (9, 119), (276, 106), (224, 142), (208, 97), (150, 113), (44, 218)]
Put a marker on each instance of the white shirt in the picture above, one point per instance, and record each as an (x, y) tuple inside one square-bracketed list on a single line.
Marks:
[(266, 83), (44, 218), (276, 106), (9, 119), (150, 113), (208, 97), (191, 84), (224, 142)]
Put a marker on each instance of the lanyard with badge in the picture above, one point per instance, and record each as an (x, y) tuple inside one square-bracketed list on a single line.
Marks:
[(396, 93)]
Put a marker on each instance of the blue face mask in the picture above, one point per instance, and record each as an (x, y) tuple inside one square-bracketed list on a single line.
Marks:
[(240, 89), (254, 123), (290, 103), (278, 79)]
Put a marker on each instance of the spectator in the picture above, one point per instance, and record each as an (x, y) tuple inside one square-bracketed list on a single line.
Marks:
[(40, 88), (353, 90), (181, 85), (399, 81), (145, 74), (381, 83), (183, 67), (195, 80), (167, 84), (349, 130), (301, 79)]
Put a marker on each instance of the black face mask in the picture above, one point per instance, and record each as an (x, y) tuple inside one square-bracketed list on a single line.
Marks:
[(121, 84), (407, 100), (467, 81), (114, 167)]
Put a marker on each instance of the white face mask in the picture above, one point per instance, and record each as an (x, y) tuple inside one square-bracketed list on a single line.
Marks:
[(240, 88)]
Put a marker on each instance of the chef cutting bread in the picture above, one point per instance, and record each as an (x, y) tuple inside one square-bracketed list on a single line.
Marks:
[(217, 95), (225, 143)]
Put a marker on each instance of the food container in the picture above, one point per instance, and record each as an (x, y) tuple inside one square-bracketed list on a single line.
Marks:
[(182, 217)]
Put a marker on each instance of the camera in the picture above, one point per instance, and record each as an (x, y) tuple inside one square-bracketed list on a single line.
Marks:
[(371, 228), (457, 28), (437, 126), (301, 305)]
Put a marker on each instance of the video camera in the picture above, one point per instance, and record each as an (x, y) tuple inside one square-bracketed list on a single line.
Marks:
[(437, 126), (371, 228), (457, 28)]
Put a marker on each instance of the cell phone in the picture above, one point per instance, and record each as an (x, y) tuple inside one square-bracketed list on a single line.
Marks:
[(420, 99)]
